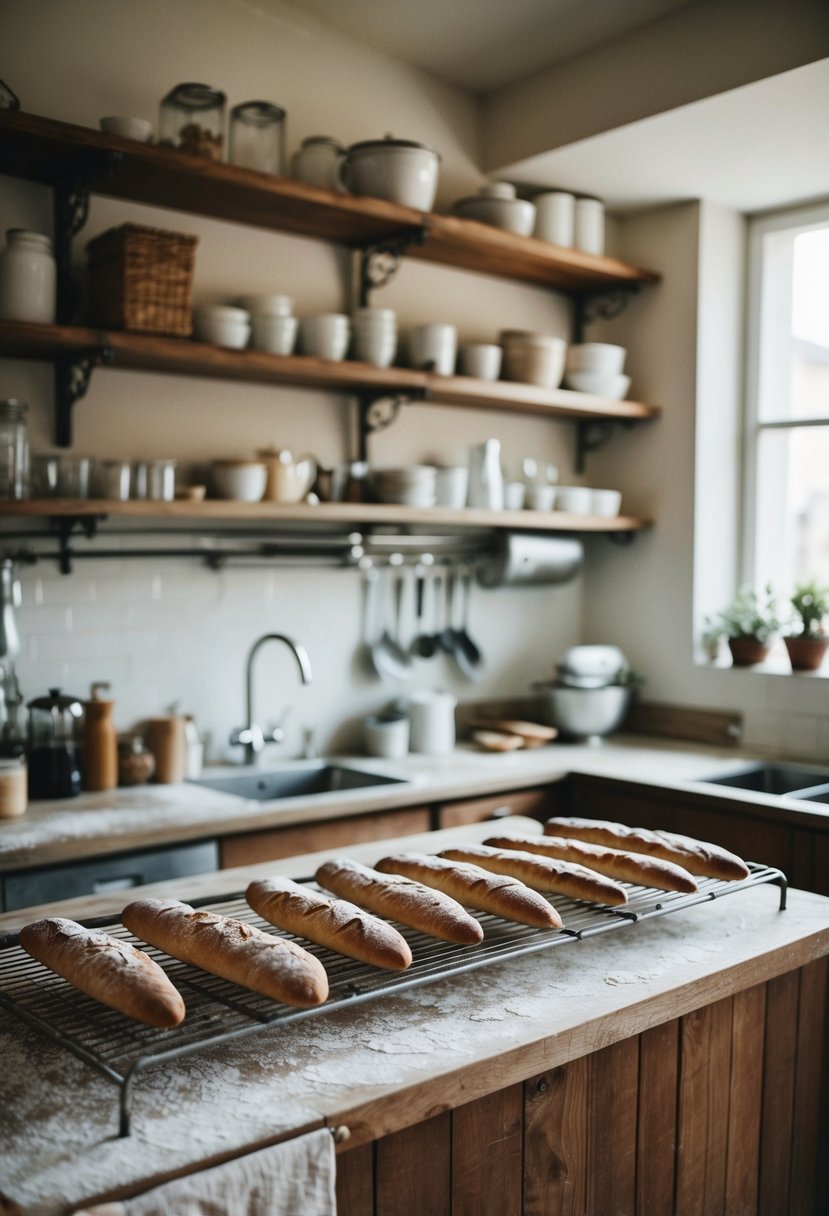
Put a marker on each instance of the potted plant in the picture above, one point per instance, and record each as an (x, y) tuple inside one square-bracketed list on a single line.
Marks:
[(749, 623), (807, 647)]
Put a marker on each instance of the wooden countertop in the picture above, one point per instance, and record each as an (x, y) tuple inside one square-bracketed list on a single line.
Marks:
[(155, 815), (383, 1065)]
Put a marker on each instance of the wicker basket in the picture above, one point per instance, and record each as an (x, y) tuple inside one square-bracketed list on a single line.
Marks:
[(141, 279)]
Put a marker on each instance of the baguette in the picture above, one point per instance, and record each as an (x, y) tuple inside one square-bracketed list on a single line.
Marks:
[(542, 873), (410, 903), (627, 867), (111, 971), (496, 893), (231, 949), (330, 922), (696, 856)]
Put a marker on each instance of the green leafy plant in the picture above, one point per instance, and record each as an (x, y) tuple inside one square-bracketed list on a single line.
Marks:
[(627, 678), (750, 615), (811, 604)]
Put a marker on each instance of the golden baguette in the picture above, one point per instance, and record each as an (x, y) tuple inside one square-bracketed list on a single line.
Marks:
[(270, 965), (627, 867), (408, 902), (696, 856), (329, 922), (542, 873), (471, 885), (111, 971)]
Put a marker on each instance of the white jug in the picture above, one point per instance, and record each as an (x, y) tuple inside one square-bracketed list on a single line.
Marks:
[(486, 479), (431, 722)]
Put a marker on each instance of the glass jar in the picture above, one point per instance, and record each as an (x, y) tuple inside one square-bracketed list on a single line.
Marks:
[(54, 746), (28, 278), (14, 449), (192, 118), (317, 162), (257, 136)]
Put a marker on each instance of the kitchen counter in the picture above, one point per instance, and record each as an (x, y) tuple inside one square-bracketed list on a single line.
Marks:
[(156, 815), (386, 1065)]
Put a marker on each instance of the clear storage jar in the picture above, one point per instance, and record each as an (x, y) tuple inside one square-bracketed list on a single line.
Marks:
[(28, 278), (257, 136), (14, 449), (192, 118)]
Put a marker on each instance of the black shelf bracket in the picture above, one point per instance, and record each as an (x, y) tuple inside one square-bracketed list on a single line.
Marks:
[(379, 263), (378, 411), (623, 539), (70, 207), (590, 436), (64, 527), (72, 378), (602, 305)]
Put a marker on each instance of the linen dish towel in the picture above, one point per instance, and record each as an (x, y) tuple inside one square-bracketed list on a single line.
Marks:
[(295, 1178)]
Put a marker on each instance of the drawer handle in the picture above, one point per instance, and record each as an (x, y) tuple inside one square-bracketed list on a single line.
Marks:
[(102, 886), (501, 812)]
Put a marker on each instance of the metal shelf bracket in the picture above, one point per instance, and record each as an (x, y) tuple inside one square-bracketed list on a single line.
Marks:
[(600, 306), (376, 412), (64, 526), (72, 377), (379, 263), (70, 206)]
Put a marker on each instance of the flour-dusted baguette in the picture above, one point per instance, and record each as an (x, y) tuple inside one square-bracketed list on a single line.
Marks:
[(269, 965), (335, 923), (469, 884), (696, 856), (542, 873), (627, 867), (401, 899), (113, 972)]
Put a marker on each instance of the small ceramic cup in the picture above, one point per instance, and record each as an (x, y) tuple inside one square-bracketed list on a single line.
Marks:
[(386, 737), (433, 347), (451, 486), (480, 359)]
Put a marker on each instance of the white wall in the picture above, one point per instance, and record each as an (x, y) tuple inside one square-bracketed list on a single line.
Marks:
[(162, 631)]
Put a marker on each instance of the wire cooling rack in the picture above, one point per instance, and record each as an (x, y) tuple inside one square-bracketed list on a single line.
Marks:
[(219, 1011)]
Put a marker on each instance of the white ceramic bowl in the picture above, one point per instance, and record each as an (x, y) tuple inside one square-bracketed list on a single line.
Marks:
[(222, 325), (574, 500), (433, 347), (325, 335), (451, 486), (605, 502), (601, 357), (374, 346), (598, 385), (395, 169), (508, 213), (514, 494), (540, 498), (273, 333), (481, 360), (585, 712), (138, 129), (267, 304), (239, 480)]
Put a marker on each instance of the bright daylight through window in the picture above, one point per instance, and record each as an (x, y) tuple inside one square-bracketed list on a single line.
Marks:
[(787, 433)]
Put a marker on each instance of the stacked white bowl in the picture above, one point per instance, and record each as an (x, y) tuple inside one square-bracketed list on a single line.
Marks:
[(596, 367), (413, 485), (221, 325), (533, 358), (274, 327), (374, 336), (325, 335)]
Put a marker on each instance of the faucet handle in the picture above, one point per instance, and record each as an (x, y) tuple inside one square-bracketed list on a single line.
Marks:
[(276, 733), (248, 736)]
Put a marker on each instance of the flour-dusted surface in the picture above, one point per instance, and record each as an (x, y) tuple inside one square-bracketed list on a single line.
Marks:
[(383, 1064)]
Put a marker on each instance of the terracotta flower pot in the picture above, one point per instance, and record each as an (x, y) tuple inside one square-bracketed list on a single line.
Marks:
[(747, 651), (806, 654)]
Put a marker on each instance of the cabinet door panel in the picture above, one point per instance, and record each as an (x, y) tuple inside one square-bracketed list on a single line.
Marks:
[(251, 847), (487, 1155), (413, 1170), (536, 803)]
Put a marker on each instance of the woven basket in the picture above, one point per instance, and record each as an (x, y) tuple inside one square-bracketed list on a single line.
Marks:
[(141, 279)]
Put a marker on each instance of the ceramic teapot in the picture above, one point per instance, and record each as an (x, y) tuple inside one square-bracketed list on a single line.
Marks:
[(289, 477)]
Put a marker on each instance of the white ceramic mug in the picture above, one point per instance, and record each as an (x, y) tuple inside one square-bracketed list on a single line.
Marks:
[(481, 360), (589, 229), (451, 486), (433, 347), (289, 478), (555, 217), (386, 737), (432, 722)]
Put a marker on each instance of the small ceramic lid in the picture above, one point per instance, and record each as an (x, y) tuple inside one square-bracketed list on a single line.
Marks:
[(497, 190), (389, 141), (322, 139)]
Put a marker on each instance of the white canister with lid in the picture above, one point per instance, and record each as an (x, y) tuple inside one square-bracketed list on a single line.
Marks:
[(589, 227), (555, 216), (317, 162), (28, 278), (431, 722)]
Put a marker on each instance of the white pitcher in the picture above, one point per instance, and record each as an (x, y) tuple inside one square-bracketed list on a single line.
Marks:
[(431, 722), (486, 478)]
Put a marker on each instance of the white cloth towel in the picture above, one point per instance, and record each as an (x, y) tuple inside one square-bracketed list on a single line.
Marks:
[(295, 1178)]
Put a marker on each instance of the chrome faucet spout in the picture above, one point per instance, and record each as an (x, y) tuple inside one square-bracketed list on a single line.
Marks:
[(251, 736)]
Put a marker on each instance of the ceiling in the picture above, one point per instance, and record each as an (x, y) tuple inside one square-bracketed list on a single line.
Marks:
[(481, 45)]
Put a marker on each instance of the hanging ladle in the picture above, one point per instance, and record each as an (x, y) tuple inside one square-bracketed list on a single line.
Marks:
[(390, 660), (465, 652), (425, 645)]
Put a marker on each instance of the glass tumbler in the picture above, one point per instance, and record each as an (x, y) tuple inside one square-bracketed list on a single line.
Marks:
[(14, 449), (192, 118), (257, 136)]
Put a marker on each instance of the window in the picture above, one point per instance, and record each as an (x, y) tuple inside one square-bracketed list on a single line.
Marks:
[(786, 535)]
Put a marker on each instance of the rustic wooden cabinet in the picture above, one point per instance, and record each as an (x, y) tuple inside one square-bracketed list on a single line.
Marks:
[(248, 848), (535, 803), (712, 1114)]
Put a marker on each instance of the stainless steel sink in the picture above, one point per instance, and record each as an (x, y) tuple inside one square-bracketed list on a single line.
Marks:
[(296, 781), (795, 781)]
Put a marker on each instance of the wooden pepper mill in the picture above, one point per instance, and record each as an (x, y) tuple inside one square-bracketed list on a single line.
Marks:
[(100, 741)]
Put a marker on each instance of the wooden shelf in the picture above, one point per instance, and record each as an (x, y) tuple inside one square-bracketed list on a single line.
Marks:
[(180, 356), (331, 513), (41, 149)]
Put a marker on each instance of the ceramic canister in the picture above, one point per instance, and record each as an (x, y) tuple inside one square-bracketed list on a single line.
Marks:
[(28, 278)]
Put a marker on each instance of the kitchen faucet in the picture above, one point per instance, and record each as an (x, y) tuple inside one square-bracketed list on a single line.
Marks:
[(251, 736)]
